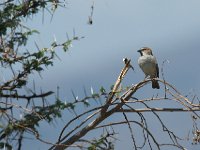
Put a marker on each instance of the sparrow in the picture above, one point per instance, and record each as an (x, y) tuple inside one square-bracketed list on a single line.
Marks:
[(149, 65)]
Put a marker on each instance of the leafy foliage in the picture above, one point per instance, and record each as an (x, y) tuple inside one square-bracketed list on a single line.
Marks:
[(15, 57), (104, 142), (19, 114)]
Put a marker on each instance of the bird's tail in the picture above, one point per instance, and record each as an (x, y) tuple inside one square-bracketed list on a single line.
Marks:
[(155, 84)]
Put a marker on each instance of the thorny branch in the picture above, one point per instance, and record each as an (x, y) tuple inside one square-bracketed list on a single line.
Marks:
[(117, 101), (13, 38), (114, 103)]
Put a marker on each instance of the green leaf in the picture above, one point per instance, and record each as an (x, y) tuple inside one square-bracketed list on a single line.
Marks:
[(39, 54), (66, 45), (35, 31), (111, 87), (102, 90), (72, 106), (54, 44)]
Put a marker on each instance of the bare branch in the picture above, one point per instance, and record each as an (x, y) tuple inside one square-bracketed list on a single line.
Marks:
[(159, 110)]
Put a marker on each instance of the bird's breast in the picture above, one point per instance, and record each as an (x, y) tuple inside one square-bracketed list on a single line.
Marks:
[(148, 64)]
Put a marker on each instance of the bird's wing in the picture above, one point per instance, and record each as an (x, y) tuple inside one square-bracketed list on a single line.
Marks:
[(157, 70)]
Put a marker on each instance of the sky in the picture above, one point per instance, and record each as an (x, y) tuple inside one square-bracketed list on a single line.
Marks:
[(119, 29)]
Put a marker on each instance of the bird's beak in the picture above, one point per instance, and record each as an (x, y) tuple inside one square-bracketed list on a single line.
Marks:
[(139, 50)]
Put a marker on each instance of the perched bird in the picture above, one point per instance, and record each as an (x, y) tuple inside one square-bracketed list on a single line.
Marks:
[(149, 65)]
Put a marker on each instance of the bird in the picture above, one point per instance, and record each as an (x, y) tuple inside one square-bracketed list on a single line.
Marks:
[(149, 65)]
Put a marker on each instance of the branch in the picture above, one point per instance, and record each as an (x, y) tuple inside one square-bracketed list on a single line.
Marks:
[(103, 114), (116, 85), (159, 110), (42, 95), (106, 111)]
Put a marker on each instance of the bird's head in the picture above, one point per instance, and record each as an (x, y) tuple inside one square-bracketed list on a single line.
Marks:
[(145, 51)]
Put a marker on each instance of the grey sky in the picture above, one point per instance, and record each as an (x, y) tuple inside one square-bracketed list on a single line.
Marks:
[(120, 27)]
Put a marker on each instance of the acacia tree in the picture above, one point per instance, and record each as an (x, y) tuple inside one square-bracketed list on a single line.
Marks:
[(19, 64)]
